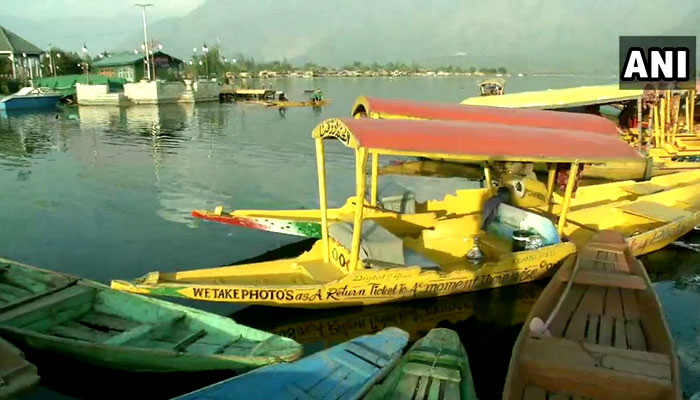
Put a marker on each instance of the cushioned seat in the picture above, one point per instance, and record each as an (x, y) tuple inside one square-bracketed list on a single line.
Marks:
[(378, 244)]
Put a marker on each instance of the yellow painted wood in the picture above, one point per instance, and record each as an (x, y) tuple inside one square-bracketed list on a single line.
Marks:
[(662, 131), (323, 198), (360, 183), (551, 177), (275, 283), (375, 178), (487, 178), (567, 197)]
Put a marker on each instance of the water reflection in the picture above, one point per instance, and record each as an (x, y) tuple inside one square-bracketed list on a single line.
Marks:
[(22, 138), (324, 328)]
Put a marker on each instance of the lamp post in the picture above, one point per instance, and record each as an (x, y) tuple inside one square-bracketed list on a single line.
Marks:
[(145, 38), (205, 50), (28, 64), (52, 68), (87, 73)]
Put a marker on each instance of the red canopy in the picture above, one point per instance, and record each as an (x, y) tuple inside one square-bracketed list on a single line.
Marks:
[(475, 141), (387, 108)]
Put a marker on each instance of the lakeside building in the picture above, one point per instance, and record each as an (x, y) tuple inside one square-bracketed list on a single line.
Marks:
[(25, 57), (130, 66)]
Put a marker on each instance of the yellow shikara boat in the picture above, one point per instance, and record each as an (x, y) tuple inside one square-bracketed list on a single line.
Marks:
[(667, 136), (287, 103), (367, 262)]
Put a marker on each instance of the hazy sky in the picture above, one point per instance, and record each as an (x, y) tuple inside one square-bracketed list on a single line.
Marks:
[(38, 9)]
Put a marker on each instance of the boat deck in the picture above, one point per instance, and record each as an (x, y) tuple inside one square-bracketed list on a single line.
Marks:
[(605, 341)]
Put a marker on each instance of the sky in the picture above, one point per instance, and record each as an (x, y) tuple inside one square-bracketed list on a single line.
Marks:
[(40, 9)]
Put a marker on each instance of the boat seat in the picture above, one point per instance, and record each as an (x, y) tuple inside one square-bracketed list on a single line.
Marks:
[(655, 211), (379, 246)]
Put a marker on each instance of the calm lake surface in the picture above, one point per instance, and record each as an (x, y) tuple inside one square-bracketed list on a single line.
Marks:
[(106, 192)]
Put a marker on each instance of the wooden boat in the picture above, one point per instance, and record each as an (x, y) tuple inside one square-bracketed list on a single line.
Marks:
[(436, 366), (88, 322), (17, 375), (597, 331), (666, 134), (345, 371), (396, 258), (285, 104)]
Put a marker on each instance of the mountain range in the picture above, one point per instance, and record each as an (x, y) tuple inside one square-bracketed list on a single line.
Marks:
[(557, 36)]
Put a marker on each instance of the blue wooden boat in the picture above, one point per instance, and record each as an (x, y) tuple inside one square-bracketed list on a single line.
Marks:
[(345, 371), (30, 99)]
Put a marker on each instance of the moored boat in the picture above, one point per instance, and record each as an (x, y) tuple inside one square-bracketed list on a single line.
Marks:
[(91, 323), (287, 103), (597, 331), (492, 87), (345, 371), (436, 366), (29, 98), (460, 247), (650, 120), (651, 214), (17, 375)]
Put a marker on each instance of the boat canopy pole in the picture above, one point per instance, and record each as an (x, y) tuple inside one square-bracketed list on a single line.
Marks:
[(640, 132), (692, 111), (676, 111), (687, 112), (487, 178), (322, 199), (551, 177), (375, 178), (360, 182), (567, 197), (663, 120)]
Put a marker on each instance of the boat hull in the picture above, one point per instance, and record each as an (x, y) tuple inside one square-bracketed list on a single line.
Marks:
[(358, 288), (284, 104), (93, 324), (30, 103), (345, 371), (17, 375)]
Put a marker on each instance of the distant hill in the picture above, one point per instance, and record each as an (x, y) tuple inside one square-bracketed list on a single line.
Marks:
[(565, 36)]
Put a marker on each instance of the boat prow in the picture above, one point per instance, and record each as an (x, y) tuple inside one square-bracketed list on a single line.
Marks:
[(596, 331), (435, 364)]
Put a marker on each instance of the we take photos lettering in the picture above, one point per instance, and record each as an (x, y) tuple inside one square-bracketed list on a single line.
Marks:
[(664, 62)]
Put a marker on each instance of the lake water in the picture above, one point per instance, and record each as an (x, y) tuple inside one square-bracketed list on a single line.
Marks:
[(104, 192)]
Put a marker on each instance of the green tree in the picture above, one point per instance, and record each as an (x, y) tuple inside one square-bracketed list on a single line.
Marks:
[(66, 63), (502, 70)]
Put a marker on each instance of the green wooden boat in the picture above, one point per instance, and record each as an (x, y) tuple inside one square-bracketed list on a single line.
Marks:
[(17, 375), (89, 322), (435, 367)]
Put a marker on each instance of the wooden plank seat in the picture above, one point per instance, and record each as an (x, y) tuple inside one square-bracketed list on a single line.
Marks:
[(606, 369), (142, 330), (607, 279)]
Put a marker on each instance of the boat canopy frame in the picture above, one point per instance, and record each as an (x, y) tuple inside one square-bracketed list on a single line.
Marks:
[(365, 137)]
